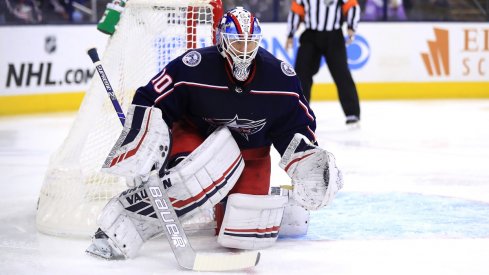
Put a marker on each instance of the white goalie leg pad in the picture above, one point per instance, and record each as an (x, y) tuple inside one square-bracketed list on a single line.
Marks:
[(125, 228), (143, 145), (315, 177), (199, 182), (251, 221), (205, 176)]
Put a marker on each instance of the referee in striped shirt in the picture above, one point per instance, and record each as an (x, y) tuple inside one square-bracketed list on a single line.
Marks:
[(323, 36)]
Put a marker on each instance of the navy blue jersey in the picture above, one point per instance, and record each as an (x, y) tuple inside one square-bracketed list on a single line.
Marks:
[(198, 87)]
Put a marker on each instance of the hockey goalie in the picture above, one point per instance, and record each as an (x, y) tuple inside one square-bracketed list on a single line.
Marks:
[(207, 123)]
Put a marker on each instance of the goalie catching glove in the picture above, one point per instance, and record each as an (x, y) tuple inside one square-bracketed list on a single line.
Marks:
[(315, 177)]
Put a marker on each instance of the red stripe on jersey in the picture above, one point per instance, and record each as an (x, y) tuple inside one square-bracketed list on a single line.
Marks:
[(313, 134), (194, 84), (306, 110), (303, 106), (275, 93), (164, 95)]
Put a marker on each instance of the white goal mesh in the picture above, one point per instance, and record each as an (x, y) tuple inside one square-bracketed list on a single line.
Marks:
[(150, 34)]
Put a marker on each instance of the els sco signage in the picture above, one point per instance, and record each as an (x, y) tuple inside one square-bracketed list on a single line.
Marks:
[(467, 52)]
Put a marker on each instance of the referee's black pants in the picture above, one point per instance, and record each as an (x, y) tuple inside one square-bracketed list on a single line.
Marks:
[(330, 44)]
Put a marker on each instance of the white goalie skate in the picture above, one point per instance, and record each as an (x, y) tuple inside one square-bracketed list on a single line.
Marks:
[(103, 247)]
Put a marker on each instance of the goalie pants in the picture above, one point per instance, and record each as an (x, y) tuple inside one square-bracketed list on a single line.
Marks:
[(255, 179)]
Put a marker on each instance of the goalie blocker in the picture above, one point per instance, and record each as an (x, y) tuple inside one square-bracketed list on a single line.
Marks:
[(143, 145)]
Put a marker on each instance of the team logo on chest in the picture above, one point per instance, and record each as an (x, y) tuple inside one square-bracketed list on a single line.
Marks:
[(287, 69), (192, 59), (244, 127)]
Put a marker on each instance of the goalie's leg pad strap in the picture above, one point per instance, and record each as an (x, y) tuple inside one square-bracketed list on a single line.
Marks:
[(251, 221)]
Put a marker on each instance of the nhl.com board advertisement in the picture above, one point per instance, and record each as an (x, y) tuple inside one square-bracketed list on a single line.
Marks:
[(387, 60), (47, 59)]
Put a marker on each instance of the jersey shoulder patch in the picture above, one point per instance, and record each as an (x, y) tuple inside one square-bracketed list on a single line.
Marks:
[(287, 69), (192, 58)]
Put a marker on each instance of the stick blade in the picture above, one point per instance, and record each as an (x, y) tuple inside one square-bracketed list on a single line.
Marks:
[(225, 261)]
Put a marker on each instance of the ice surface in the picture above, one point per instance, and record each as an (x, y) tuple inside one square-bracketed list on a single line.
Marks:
[(416, 198)]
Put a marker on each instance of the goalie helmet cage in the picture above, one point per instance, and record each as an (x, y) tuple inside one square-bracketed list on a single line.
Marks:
[(149, 34)]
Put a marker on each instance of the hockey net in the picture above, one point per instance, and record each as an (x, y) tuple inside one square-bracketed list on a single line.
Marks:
[(149, 34)]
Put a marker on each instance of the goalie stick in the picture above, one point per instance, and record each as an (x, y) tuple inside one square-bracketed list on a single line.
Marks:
[(105, 80), (184, 253), (179, 243)]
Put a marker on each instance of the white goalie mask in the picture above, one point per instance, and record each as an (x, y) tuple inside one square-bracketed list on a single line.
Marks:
[(238, 39)]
